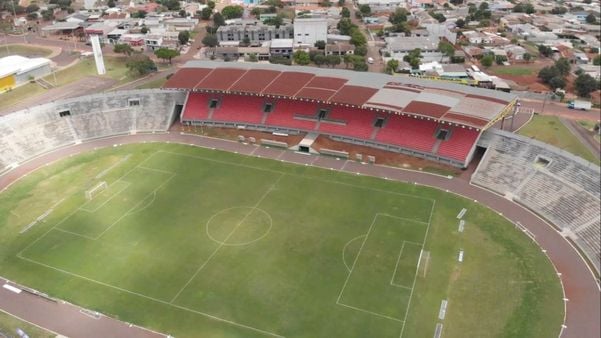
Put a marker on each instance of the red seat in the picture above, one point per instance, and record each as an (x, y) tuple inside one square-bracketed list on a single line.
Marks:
[(459, 144), (408, 132), (197, 107), (359, 122), (238, 108), (284, 111)]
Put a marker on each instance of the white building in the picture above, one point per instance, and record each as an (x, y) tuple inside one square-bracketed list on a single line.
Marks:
[(309, 31), (16, 70)]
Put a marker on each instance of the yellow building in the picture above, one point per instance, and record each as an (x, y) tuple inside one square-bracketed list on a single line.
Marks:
[(16, 70)]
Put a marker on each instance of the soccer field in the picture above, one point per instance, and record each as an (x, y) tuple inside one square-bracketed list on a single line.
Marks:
[(200, 243)]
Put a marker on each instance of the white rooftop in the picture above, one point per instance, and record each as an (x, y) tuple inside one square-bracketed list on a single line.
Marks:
[(15, 64)]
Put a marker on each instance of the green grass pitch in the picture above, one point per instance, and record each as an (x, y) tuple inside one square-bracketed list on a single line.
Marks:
[(200, 243)]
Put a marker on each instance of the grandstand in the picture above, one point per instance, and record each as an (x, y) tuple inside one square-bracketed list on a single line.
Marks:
[(559, 186), (28, 133), (434, 120)]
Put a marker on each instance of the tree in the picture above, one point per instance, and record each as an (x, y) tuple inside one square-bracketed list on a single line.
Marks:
[(301, 58), (47, 15), (597, 60), (547, 73), (182, 13), (183, 37), (345, 26), (140, 64), (446, 48), (460, 23), (319, 59), (487, 60), (524, 8), (348, 60), (205, 14), (559, 10), (172, 5), (585, 85), (413, 58), (557, 82), (232, 12), (252, 57), (365, 10), (391, 66), (361, 50), (357, 38), (276, 21), (527, 57), (166, 54), (32, 16), (341, 3), (345, 13), (333, 60), (545, 50), (144, 30), (591, 18), (218, 20), (457, 2), (398, 16), (360, 66), (111, 3), (210, 40), (563, 66), (320, 44), (141, 14), (438, 16), (246, 41), (211, 4), (499, 59), (32, 8), (123, 48)]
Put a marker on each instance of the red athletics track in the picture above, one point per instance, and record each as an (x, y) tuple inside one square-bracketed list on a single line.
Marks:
[(580, 286)]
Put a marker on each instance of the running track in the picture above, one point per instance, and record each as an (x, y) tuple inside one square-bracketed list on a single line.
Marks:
[(580, 286)]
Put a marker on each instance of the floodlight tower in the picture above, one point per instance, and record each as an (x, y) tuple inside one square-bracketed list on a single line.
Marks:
[(98, 54)]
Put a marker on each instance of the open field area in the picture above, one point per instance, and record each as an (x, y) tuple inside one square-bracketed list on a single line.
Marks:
[(10, 324), (115, 69), (24, 50), (515, 70), (549, 129), (192, 241)]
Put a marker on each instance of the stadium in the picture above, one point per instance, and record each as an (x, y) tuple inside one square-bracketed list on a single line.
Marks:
[(114, 210)]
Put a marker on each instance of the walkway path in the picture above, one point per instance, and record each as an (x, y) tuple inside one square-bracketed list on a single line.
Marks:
[(580, 286), (589, 142)]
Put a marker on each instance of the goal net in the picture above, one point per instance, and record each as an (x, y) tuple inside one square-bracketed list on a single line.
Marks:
[(98, 188)]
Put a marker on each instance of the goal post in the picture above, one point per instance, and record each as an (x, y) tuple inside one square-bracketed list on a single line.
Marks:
[(91, 193)]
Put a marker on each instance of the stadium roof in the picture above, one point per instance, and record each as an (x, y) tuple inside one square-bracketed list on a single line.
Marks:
[(438, 100)]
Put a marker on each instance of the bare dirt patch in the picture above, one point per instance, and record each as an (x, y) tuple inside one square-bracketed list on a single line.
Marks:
[(232, 134)]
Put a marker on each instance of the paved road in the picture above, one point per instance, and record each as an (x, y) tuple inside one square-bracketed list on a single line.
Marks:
[(580, 286), (581, 134), (560, 109)]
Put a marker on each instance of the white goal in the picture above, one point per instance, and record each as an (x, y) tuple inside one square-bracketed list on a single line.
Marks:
[(98, 188)]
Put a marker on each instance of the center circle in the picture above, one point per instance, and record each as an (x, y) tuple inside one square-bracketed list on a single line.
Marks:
[(238, 226)]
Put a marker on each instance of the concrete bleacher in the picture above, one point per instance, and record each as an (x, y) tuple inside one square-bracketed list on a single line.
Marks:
[(559, 186), (27, 133)]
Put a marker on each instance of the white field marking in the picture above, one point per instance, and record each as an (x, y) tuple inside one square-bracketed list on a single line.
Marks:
[(41, 217), (426, 264), (416, 269), (243, 243), (396, 267), (105, 171), (372, 313), (373, 222), (75, 234), (343, 166), (157, 170), (30, 323), (82, 208), (344, 249), (404, 219), (154, 196), (150, 298), (226, 238), (301, 176), (74, 211), (135, 206)]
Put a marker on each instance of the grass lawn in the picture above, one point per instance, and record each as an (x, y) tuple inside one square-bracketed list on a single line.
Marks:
[(512, 70), (156, 83), (10, 324), (115, 69), (24, 50), (12, 97), (196, 242), (549, 129)]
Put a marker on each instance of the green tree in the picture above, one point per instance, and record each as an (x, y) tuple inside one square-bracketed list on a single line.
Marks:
[(166, 54), (591, 18), (487, 60), (123, 48), (345, 13), (205, 14), (547, 73), (218, 20), (446, 48), (320, 44), (597, 60), (140, 64), (365, 10), (345, 26), (183, 37), (413, 58), (545, 50), (559, 10), (527, 57), (232, 12), (333, 60), (391, 66), (111, 4), (319, 60), (182, 13), (357, 38), (563, 66), (460, 23), (252, 57), (557, 82), (172, 5), (585, 85), (210, 40), (499, 59), (144, 30), (361, 50), (276, 21), (211, 4), (301, 58), (141, 14), (360, 66), (246, 41), (32, 8), (47, 14), (348, 60)]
